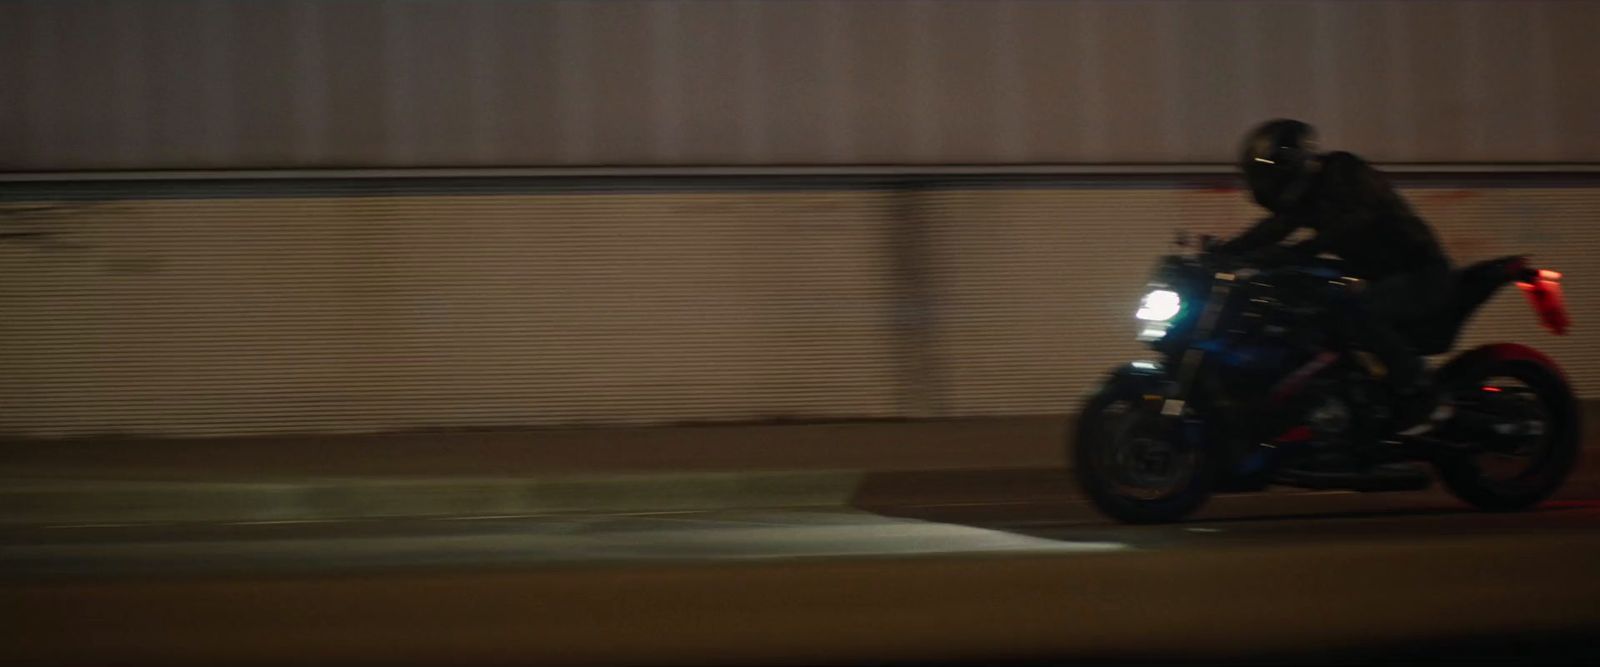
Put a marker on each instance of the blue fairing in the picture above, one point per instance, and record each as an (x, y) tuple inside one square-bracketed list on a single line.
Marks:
[(1320, 271), (1254, 357)]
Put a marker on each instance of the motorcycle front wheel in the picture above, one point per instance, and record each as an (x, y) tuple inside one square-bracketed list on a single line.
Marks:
[(1134, 464)]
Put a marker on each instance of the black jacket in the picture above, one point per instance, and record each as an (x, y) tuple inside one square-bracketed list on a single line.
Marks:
[(1357, 216)]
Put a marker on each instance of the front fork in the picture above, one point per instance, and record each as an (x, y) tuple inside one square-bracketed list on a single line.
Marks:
[(1193, 358), (1183, 379)]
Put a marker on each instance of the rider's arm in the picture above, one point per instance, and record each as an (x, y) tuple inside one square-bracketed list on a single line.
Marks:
[(1266, 233)]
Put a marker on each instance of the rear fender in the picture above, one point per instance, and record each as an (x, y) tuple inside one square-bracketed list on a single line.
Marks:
[(1468, 366), (1480, 281), (1475, 285), (1543, 289)]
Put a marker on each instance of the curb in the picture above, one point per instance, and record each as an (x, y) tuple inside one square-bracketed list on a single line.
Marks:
[(36, 502)]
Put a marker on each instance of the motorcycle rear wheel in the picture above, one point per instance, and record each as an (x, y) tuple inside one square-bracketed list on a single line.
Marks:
[(1524, 394)]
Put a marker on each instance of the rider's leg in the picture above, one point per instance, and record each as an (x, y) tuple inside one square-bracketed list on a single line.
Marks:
[(1373, 318)]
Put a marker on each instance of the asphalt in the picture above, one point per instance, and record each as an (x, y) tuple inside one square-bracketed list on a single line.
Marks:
[(1021, 524), (902, 560), (1301, 577), (942, 444), (539, 471), (517, 471)]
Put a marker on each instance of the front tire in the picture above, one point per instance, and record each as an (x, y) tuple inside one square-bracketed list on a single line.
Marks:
[(1135, 465), (1514, 385)]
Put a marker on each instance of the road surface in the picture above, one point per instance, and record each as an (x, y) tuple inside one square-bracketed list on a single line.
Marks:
[(1280, 576)]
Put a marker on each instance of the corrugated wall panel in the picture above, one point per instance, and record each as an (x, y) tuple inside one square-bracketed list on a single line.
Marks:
[(196, 316), (1036, 287), (131, 84), (248, 308)]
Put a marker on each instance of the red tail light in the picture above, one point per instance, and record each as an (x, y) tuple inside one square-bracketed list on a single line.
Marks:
[(1545, 296)]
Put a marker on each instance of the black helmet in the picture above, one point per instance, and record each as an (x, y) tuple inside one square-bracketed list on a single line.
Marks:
[(1277, 159)]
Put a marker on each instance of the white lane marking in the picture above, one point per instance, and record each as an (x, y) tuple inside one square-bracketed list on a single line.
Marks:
[(1079, 501), (995, 503), (669, 512), (1203, 530), (285, 522), (491, 517), (106, 525)]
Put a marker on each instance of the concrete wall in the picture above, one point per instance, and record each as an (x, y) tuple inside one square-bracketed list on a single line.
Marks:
[(256, 307), (131, 84)]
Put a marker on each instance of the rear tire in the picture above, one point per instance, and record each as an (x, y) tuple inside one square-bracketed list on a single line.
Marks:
[(1556, 453), (1099, 451)]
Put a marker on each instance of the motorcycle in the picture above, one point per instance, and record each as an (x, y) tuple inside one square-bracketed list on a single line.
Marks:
[(1252, 386)]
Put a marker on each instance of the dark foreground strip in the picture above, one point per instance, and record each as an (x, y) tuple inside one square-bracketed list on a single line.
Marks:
[(1302, 602)]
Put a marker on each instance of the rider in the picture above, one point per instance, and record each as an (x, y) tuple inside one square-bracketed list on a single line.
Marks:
[(1357, 216)]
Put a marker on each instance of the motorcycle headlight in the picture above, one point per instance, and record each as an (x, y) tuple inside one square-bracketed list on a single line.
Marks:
[(1159, 306), (1155, 313)]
